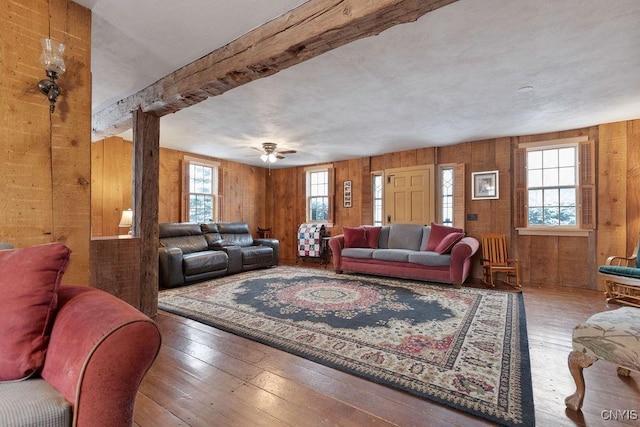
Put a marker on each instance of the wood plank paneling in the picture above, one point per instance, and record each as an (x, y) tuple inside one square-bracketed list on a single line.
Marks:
[(633, 179), (115, 267), (46, 157), (612, 189)]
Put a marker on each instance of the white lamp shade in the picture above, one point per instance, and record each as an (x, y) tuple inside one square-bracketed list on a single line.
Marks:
[(127, 219)]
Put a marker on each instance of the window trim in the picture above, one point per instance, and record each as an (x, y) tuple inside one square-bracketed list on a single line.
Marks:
[(187, 161), (585, 187), (373, 197), (330, 191)]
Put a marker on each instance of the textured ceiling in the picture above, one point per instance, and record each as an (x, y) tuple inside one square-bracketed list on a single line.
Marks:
[(471, 70)]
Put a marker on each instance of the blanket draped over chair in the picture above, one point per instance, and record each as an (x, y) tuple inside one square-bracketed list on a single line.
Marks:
[(310, 242)]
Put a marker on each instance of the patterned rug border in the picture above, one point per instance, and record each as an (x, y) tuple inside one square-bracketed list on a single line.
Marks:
[(333, 360)]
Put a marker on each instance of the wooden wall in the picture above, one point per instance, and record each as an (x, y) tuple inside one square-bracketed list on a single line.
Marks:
[(111, 185), (242, 190), (545, 260), (277, 199), (45, 177)]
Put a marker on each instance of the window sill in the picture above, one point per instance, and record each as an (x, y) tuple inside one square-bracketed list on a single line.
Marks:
[(568, 232)]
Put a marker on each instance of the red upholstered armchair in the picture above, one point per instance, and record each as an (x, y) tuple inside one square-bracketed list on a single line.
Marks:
[(99, 351), (69, 355)]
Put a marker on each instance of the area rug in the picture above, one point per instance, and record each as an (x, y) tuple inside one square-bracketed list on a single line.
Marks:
[(465, 348)]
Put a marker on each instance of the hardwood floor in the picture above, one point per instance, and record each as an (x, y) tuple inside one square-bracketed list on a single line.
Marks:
[(206, 377)]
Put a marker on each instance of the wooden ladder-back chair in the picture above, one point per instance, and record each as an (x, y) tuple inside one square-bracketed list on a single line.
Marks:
[(495, 260)]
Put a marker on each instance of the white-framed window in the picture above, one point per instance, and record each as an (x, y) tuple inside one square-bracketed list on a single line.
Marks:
[(554, 183), (446, 195), (319, 198), (552, 186), (200, 190), (377, 187)]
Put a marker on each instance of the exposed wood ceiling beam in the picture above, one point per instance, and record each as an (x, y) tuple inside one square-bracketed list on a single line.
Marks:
[(309, 30)]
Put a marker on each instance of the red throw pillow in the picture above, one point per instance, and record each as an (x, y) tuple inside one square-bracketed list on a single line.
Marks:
[(448, 242), (29, 281), (355, 237), (438, 232), (372, 236)]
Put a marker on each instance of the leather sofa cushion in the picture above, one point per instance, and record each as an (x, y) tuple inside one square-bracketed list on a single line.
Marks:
[(394, 255), (178, 229), (211, 233), (405, 236), (236, 233), (202, 262), (257, 255), (431, 259), (188, 244)]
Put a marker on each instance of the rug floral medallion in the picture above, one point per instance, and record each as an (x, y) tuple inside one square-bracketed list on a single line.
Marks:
[(465, 348)]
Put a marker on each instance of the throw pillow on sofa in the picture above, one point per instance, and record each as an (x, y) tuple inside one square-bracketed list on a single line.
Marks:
[(448, 242), (373, 233), (355, 237), (439, 232), (29, 281)]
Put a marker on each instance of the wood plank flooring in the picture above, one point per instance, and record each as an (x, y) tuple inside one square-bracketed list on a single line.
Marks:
[(207, 377)]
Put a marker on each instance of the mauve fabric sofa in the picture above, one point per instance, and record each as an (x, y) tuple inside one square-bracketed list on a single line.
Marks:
[(69, 355), (406, 251)]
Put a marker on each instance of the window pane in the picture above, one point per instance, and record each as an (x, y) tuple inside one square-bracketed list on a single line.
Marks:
[(549, 177), (319, 208), (567, 176), (535, 178), (535, 216), (550, 158), (567, 156), (551, 197), (377, 200), (551, 216), (534, 160), (446, 178), (568, 216), (567, 197), (535, 198)]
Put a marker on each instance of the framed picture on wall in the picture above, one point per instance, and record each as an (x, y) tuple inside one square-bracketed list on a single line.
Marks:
[(347, 194), (484, 185)]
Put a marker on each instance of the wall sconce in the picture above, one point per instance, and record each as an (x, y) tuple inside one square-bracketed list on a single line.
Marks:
[(126, 220), (53, 62)]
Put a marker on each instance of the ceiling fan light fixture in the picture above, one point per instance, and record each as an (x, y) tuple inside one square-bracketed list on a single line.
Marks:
[(272, 158), (264, 158)]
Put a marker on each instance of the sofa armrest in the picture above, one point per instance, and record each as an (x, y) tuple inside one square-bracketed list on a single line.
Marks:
[(336, 243), (461, 254), (234, 253), (99, 351), (273, 244), (170, 272)]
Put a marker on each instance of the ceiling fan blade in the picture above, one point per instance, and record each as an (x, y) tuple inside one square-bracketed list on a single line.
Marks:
[(287, 152)]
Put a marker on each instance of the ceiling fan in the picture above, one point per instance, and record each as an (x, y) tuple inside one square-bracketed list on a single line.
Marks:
[(271, 154)]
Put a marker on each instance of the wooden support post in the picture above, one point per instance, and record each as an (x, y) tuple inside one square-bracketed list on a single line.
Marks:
[(146, 167)]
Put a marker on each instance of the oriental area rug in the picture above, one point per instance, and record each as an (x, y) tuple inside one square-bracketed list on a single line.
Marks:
[(464, 348)]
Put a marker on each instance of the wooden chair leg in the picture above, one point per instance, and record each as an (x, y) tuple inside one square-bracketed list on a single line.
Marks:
[(577, 362)]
